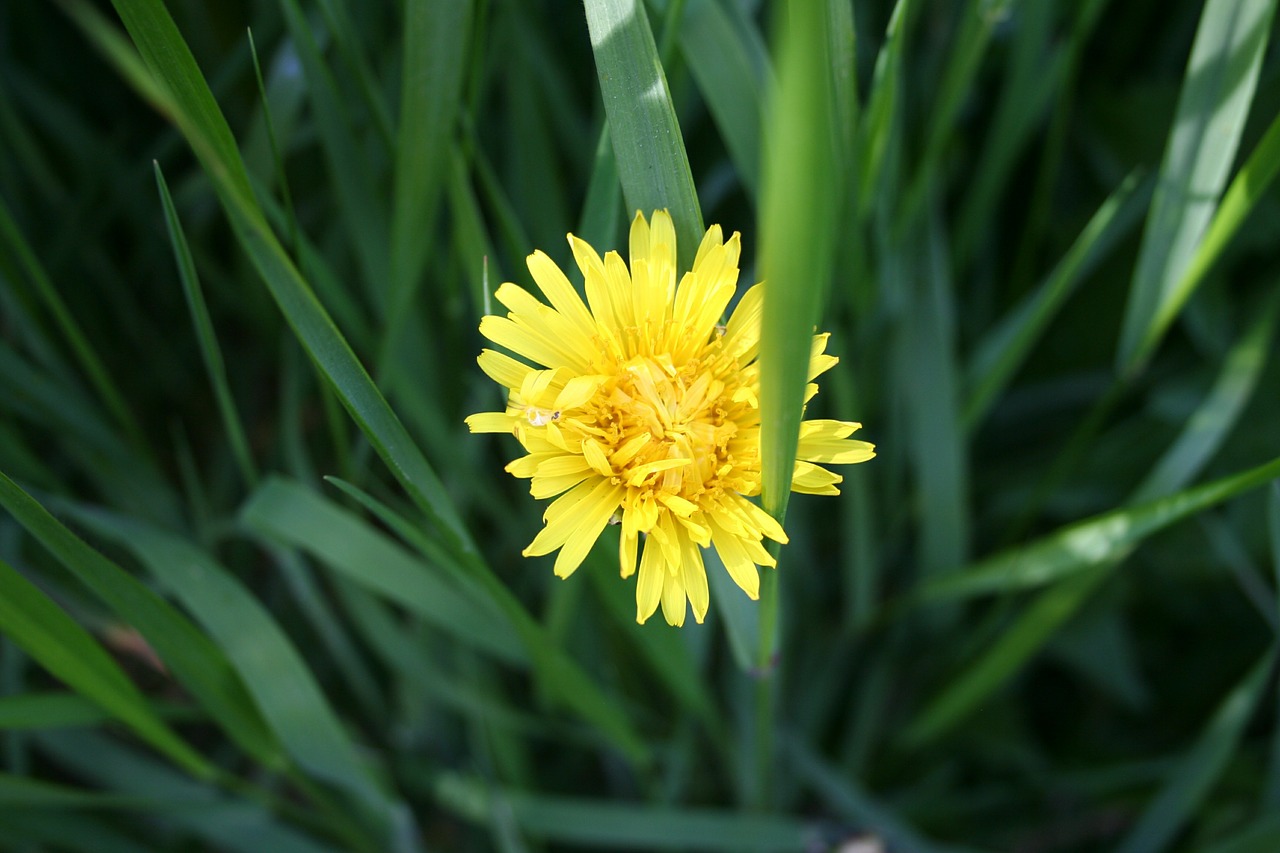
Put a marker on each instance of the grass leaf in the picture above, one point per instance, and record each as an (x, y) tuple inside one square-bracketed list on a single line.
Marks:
[(652, 163), (50, 636), (1212, 107)]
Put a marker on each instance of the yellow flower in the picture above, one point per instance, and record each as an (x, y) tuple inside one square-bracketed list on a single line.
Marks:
[(643, 411)]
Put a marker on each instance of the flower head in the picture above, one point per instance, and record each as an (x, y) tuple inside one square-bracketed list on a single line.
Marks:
[(639, 408)]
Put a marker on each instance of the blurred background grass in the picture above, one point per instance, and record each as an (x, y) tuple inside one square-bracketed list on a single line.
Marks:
[(260, 591)]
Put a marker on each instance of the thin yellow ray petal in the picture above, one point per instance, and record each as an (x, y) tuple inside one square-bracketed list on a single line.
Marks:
[(502, 368), (490, 422), (736, 561), (535, 346), (627, 544), (553, 283), (594, 454), (693, 577), (578, 391), (673, 598), (711, 240), (560, 519), (809, 479), (594, 514), (649, 584)]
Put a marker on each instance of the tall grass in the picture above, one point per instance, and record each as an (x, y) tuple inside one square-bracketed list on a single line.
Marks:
[(260, 590)]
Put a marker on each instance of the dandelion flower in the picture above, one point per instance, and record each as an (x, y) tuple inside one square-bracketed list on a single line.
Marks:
[(639, 408)]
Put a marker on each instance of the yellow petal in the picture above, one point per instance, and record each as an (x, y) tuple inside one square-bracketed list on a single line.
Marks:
[(556, 287), (502, 368), (736, 561), (693, 577), (578, 391), (673, 598), (593, 515), (809, 479), (490, 422), (649, 584), (627, 543)]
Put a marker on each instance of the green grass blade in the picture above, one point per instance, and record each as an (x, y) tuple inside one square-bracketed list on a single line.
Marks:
[(190, 656), (652, 163), (1247, 188), (28, 711), (605, 825), (296, 516), (349, 162), (1221, 76), (1184, 791), (75, 832), (1004, 349), (436, 34), (273, 671), (225, 823), (936, 445), (302, 519), (797, 237), (209, 348), (1078, 547), (14, 244), (202, 123), (977, 23), (602, 210), (878, 128), (730, 75), (61, 646), (1219, 412)]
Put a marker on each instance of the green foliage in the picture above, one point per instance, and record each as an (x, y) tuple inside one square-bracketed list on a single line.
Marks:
[(260, 590)]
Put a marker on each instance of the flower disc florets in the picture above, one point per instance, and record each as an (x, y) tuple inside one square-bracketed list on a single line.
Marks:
[(644, 412)]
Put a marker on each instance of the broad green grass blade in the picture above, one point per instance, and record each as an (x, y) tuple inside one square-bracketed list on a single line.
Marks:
[(1214, 418), (606, 825), (731, 76), (234, 825), (846, 104), (1078, 547), (436, 34), (1247, 188), (1183, 793), (209, 348), (14, 244), (273, 671), (295, 516), (927, 351), (799, 204), (1221, 76), (190, 656), (1004, 349), (652, 163), (797, 236), (61, 646)]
